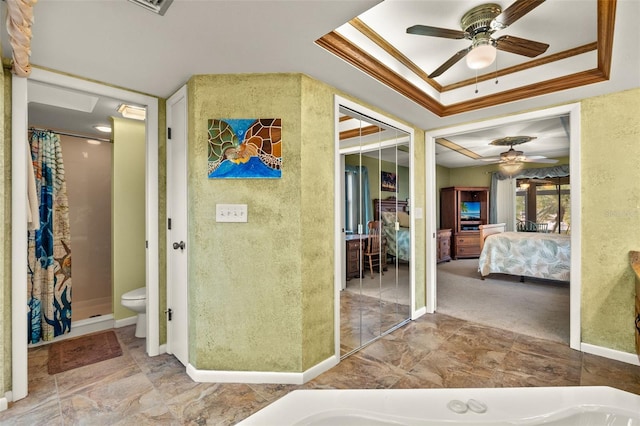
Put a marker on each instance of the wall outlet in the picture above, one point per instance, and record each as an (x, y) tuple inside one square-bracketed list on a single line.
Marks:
[(231, 212)]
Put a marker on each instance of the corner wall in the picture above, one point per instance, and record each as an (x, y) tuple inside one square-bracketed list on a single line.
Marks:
[(261, 293), (245, 279)]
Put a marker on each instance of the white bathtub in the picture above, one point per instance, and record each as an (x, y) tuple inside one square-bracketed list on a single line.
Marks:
[(566, 406)]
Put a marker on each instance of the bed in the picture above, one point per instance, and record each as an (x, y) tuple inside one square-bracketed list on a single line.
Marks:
[(526, 254), (398, 242)]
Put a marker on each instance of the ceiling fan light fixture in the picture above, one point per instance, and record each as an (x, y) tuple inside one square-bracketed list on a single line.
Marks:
[(511, 168), (512, 155), (481, 56)]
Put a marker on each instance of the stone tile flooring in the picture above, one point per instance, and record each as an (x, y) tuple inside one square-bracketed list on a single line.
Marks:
[(434, 351)]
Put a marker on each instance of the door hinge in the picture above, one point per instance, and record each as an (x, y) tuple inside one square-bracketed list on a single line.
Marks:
[(169, 223), (169, 313), (168, 132), (146, 244)]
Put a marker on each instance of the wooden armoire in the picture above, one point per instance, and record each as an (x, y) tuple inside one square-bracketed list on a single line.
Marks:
[(463, 209)]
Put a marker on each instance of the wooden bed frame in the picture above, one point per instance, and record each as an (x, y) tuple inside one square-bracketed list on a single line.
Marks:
[(387, 205)]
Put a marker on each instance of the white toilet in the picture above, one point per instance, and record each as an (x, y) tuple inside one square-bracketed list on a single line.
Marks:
[(136, 300)]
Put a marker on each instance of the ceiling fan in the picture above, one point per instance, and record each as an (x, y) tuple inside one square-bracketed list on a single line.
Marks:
[(512, 160), (478, 24)]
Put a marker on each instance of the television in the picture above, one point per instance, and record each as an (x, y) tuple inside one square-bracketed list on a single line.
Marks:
[(470, 210)]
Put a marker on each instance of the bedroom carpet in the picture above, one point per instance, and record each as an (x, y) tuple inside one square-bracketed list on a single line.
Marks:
[(80, 351), (536, 308)]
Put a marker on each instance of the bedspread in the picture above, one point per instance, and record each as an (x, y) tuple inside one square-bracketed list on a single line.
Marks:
[(398, 242), (527, 254)]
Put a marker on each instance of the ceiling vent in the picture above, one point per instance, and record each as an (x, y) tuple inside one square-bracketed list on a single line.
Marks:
[(156, 6)]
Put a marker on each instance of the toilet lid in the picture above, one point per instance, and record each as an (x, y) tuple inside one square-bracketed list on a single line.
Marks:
[(137, 294)]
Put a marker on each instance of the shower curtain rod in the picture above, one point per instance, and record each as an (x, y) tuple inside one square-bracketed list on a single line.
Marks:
[(75, 135)]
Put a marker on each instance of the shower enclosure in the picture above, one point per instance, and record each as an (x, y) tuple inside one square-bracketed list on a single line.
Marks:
[(88, 172)]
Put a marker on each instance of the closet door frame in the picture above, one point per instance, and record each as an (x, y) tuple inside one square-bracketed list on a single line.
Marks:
[(339, 246)]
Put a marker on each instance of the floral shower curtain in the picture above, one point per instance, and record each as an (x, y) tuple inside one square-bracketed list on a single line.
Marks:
[(49, 258)]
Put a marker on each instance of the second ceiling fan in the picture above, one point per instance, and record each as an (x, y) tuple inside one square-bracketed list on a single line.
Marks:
[(478, 24), (513, 156)]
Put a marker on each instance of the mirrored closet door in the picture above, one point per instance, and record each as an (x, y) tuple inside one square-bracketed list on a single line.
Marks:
[(376, 292)]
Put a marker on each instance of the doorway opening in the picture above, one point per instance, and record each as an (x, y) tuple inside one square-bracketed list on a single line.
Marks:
[(508, 203), (20, 122)]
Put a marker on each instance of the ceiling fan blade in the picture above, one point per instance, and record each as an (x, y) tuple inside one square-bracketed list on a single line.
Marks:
[(450, 62), (540, 160), (496, 159), (436, 32), (521, 46), (516, 11), (536, 157)]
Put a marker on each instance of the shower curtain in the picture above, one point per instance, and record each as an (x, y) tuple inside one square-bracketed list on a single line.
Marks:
[(49, 257)]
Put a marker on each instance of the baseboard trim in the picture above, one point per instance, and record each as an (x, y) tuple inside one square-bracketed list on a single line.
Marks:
[(610, 353), (217, 376), (125, 322), (162, 349), (418, 313), (4, 403)]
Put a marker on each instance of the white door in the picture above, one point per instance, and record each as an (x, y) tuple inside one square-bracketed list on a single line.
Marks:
[(177, 244)]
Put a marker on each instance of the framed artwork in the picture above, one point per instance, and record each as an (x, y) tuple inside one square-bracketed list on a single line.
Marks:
[(388, 180), (244, 148)]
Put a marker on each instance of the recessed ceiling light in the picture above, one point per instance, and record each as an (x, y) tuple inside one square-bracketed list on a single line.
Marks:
[(132, 111), (93, 142), (103, 128)]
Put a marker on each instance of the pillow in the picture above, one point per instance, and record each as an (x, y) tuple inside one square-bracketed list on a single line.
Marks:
[(404, 220)]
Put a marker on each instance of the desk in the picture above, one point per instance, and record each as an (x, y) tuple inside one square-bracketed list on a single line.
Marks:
[(355, 247)]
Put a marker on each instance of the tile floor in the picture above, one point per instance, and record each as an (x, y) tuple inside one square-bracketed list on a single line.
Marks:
[(432, 352)]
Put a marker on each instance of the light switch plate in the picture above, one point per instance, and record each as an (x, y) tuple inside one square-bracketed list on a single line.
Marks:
[(231, 212)]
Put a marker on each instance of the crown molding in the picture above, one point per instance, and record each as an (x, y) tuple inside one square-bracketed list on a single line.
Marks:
[(352, 54)]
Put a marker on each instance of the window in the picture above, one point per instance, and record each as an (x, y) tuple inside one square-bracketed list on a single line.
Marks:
[(356, 192), (545, 200)]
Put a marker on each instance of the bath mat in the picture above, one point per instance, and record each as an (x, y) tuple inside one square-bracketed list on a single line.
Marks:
[(84, 350)]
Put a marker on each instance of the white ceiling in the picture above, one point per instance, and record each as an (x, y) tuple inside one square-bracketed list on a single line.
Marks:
[(122, 44)]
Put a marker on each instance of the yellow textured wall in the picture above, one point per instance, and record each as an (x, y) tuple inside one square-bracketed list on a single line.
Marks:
[(316, 221), (128, 211), (610, 153), (245, 279)]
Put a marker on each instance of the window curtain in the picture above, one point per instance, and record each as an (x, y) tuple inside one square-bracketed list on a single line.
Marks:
[(502, 196), (358, 209), (49, 257)]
